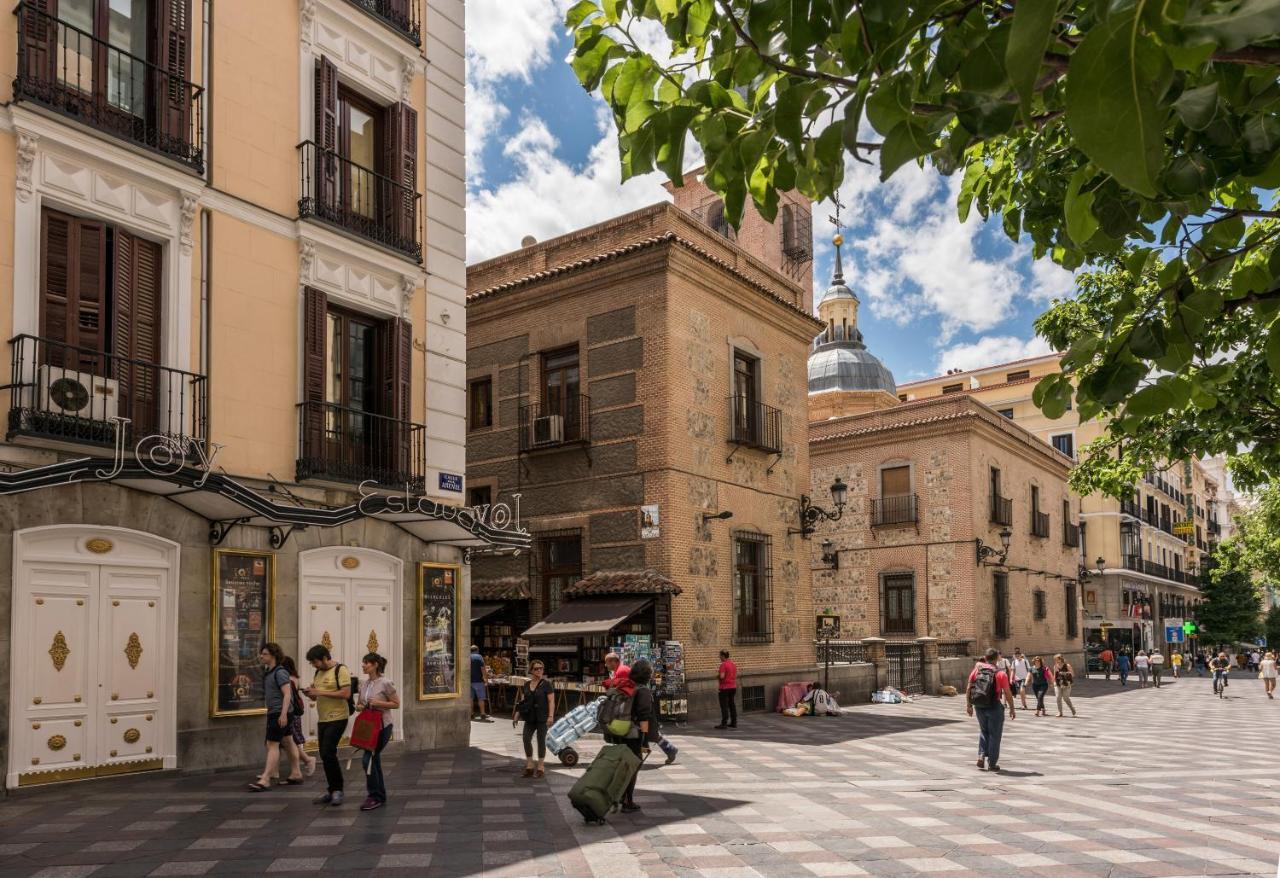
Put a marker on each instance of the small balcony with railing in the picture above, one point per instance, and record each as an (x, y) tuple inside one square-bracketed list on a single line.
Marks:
[(62, 395), (1001, 510), (895, 511), (338, 443), (1070, 535), (1039, 524), (402, 16), (1131, 508), (556, 424), (88, 80), (755, 425), (358, 200)]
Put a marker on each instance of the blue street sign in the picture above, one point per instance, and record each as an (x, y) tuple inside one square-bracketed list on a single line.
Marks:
[(451, 482), (1261, 641), (1173, 634)]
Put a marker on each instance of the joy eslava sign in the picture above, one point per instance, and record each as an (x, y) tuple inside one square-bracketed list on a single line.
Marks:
[(499, 516), (159, 454)]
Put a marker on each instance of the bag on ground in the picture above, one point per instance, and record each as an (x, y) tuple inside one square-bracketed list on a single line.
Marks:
[(604, 782)]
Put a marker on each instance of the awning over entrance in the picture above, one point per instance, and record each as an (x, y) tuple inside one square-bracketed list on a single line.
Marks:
[(586, 618), (480, 611)]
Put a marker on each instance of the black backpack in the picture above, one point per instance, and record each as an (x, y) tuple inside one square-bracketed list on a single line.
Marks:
[(295, 701), (982, 691)]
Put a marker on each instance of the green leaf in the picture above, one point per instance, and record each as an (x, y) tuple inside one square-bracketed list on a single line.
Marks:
[(1110, 106), (1078, 207), (983, 68), (889, 104), (904, 143), (1249, 279), (1272, 349), (787, 114), (1167, 394), (1236, 25), (1197, 106), (1113, 382), (1028, 40), (1147, 341), (579, 12)]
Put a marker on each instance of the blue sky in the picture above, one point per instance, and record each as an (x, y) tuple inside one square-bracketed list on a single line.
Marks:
[(542, 160)]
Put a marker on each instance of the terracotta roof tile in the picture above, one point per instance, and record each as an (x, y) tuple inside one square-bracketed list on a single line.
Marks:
[(509, 588), (623, 582)]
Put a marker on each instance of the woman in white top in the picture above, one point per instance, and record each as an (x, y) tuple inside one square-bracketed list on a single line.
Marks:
[(1142, 664), (1268, 673)]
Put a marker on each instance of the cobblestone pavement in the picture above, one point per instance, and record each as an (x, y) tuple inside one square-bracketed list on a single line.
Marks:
[(1171, 782)]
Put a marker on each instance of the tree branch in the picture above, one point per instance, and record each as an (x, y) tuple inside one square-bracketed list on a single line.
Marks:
[(1233, 305), (781, 66), (1261, 56)]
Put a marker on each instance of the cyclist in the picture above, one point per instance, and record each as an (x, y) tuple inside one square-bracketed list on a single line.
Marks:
[(1220, 667)]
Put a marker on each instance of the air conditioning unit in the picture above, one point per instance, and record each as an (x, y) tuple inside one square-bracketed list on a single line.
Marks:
[(548, 430), (76, 394)]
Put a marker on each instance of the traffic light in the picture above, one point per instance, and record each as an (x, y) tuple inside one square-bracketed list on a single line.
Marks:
[(1188, 627)]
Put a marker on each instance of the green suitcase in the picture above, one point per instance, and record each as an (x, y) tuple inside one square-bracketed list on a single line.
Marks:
[(604, 782)]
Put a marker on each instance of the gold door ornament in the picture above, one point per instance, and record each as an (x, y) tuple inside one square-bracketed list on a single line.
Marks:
[(373, 641), (59, 651), (327, 641), (133, 651), (57, 742), (132, 736), (350, 562), (99, 545)]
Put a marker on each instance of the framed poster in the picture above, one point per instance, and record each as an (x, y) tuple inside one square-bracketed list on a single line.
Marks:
[(244, 593), (828, 626), (650, 523), (438, 630)]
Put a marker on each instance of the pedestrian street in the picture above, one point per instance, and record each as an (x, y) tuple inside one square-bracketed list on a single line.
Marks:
[(1169, 782)]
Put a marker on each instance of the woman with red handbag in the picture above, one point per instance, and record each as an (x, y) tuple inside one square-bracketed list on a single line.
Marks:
[(376, 698)]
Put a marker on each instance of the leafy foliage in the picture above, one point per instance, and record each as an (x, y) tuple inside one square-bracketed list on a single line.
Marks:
[(1136, 137), (1271, 627), (1257, 532), (1231, 610)]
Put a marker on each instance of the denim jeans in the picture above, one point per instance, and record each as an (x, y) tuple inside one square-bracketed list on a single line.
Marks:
[(374, 781), (328, 735), (990, 728)]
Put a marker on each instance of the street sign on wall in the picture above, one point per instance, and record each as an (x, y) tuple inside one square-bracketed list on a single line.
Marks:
[(1173, 634)]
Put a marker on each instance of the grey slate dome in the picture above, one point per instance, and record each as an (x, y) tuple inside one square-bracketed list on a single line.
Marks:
[(848, 366), (838, 290)]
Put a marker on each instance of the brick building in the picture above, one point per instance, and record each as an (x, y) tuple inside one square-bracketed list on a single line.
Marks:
[(927, 483), (627, 381)]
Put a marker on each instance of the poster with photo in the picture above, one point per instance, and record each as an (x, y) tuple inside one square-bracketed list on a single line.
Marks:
[(650, 523), (438, 630), (243, 620)]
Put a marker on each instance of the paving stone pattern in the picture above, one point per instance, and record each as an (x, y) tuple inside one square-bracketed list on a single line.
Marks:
[(1152, 783)]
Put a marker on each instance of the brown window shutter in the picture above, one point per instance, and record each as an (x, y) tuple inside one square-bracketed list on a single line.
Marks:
[(396, 346), (73, 289), (136, 331), (326, 121), (58, 263), (402, 167), (170, 94), (39, 40), (314, 333)]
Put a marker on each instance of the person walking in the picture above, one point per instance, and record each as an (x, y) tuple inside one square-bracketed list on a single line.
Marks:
[(480, 685), (1157, 666), (1040, 679), (617, 671), (1268, 672), (1142, 663), (1107, 658), (1175, 662), (1202, 663), (378, 693), (644, 725), (278, 694), (987, 688), (537, 707), (330, 689), (1255, 660), (1123, 664), (309, 762), (728, 675), (1021, 674), (1063, 679)]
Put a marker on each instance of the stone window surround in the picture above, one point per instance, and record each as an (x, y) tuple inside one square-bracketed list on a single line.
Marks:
[(893, 463), (915, 597), (741, 344)]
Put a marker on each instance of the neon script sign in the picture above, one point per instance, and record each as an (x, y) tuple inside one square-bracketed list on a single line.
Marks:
[(499, 516), (160, 455)]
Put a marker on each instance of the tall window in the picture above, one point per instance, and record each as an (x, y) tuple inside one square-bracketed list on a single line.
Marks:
[(481, 495), (1073, 621), (480, 404), (560, 566), (747, 424), (895, 481), (1000, 599), (1065, 443), (360, 143), (752, 580), (123, 25), (1035, 498), (898, 602), (561, 388), (1041, 604)]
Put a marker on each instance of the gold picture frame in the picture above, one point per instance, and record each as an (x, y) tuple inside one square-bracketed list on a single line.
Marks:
[(439, 586), (219, 633)]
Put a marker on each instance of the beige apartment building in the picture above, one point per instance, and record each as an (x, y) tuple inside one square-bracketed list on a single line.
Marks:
[(233, 296), (639, 386), (1139, 557)]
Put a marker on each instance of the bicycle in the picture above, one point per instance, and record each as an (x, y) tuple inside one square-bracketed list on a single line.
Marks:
[(1220, 683)]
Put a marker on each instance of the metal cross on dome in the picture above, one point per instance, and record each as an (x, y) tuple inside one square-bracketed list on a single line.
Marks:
[(838, 239), (835, 220)]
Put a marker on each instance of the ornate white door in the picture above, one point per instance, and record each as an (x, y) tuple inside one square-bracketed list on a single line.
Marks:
[(349, 600), (94, 665)]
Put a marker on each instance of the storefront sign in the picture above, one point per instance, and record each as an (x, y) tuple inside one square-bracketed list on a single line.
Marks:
[(1183, 528), (243, 620), (498, 516), (438, 631), (649, 523), (160, 455), (451, 482)]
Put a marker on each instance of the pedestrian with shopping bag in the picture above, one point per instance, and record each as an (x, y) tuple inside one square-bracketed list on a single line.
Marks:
[(371, 731)]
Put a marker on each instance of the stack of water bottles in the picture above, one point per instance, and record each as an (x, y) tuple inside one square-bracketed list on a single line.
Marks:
[(569, 728)]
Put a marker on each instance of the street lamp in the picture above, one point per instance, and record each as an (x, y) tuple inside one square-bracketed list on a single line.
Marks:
[(830, 555), (984, 551), (810, 514), (716, 516)]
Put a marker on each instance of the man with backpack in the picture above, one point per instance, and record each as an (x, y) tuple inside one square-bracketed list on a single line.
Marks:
[(617, 672), (282, 705), (988, 687), (331, 690)]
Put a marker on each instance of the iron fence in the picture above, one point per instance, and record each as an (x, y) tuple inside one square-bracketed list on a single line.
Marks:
[(551, 424), (755, 424), (351, 445), (402, 15), (955, 648), (903, 509), (841, 652)]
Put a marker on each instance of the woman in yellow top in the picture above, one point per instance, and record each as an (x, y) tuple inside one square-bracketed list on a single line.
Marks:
[(1176, 661), (330, 690)]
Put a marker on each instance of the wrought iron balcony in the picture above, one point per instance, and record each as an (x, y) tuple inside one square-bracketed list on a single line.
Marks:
[(67, 394), (77, 75), (1130, 507), (755, 425), (902, 509), (1001, 510), (555, 424), (1153, 568), (342, 444), (1070, 534), (1039, 523), (400, 15), (358, 200)]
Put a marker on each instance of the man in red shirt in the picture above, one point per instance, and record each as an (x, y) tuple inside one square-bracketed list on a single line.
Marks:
[(728, 675), (1107, 658), (988, 687)]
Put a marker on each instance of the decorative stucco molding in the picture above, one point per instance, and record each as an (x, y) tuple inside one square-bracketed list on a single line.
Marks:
[(188, 217), (306, 259), (306, 19), (408, 70), (27, 143), (408, 286)]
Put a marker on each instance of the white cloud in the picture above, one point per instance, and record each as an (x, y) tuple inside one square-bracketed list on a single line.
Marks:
[(991, 350), (1050, 281), (510, 38), (485, 113)]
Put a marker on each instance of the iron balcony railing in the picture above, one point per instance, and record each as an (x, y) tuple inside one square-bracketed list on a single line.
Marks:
[(79, 76), (902, 509), (841, 652), (1130, 507), (358, 200), (1154, 568), (1214, 526), (1039, 523), (1070, 534), (1001, 510), (71, 394), (754, 424), (400, 15), (955, 648), (343, 444), (553, 424)]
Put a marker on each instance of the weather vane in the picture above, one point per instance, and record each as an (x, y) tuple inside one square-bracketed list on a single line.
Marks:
[(835, 220)]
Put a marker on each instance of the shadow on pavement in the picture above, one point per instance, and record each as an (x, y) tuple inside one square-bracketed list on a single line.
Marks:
[(1097, 687), (816, 731)]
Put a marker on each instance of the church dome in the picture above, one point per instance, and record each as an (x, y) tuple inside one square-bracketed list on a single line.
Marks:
[(837, 290), (847, 365)]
